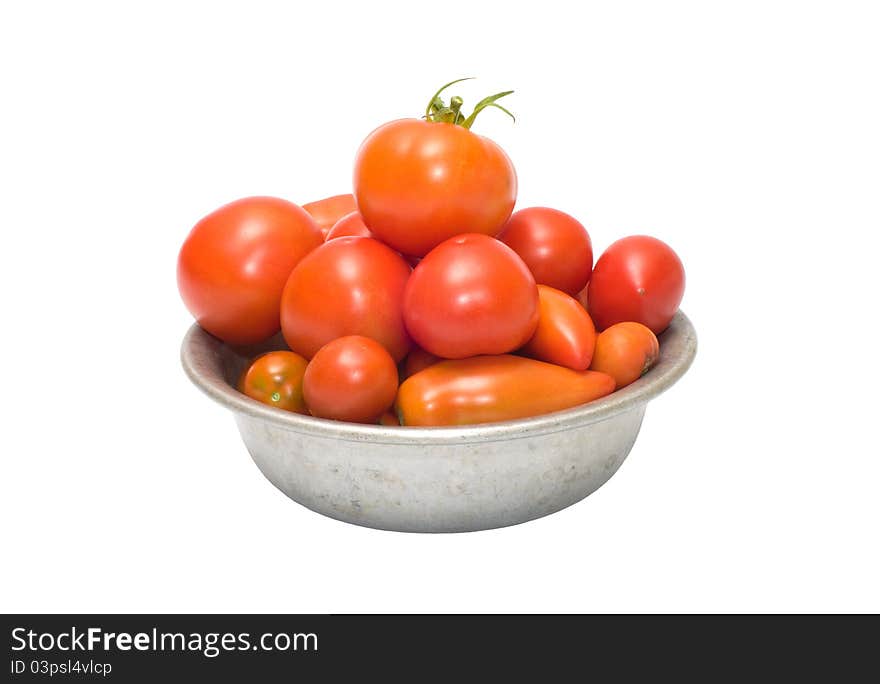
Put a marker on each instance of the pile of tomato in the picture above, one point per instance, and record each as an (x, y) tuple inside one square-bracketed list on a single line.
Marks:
[(422, 298)]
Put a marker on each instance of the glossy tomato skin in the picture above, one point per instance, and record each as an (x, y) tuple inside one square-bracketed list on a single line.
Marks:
[(276, 379), (352, 378), (625, 351), (638, 278), (555, 246), (326, 212), (348, 286), (235, 262), (485, 389), (471, 295), (565, 334), (350, 224), (418, 183)]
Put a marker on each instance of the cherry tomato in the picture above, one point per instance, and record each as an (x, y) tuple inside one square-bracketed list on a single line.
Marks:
[(565, 334), (555, 246), (485, 389), (471, 295), (625, 351), (350, 224), (351, 378), (419, 183), (638, 278), (233, 266), (328, 211), (276, 379), (348, 286), (418, 359)]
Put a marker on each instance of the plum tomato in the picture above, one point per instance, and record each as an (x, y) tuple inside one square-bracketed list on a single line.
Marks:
[(555, 246), (420, 182), (565, 334), (638, 278), (625, 351), (470, 295), (347, 286), (486, 389), (326, 212), (235, 262), (352, 378), (276, 379), (350, 224)]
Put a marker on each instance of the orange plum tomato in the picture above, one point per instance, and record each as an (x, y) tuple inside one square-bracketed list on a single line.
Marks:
[(625, 351), (565, 334)]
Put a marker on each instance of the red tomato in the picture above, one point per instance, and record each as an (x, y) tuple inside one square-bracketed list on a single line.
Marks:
[(350, 224), (276, 379), (419, 183), (329, 210), (351, 378), (638, 278), (233, 266), (471, 295), (565, 334), (418, 359), (555, 246), (348, 286)]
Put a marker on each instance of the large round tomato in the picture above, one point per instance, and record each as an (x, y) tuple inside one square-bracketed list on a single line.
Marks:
[(418, 183), (329, 210), (348, 286), (471, 295), (555, 246), (638, 278), (351, 378), (233, 266)]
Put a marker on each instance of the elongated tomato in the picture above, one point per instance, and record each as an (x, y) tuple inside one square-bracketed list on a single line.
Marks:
[(486, 389)]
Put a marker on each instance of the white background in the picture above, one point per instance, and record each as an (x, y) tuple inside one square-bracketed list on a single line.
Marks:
[(745, 134)]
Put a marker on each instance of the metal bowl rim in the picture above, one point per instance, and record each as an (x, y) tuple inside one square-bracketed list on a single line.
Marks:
[(201, 358)]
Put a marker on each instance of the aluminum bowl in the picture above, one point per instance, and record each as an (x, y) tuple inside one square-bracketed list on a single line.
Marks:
[(450, 479)]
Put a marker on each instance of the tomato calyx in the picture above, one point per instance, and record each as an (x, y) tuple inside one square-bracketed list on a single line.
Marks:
[(439, 112)]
